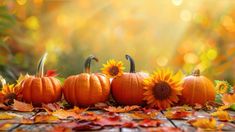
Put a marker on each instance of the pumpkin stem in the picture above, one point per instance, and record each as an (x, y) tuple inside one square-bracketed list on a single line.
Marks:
[(40, 70), (132, 64), (88, 63), (196, 72)]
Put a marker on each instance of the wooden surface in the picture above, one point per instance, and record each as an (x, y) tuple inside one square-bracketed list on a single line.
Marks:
[(182, 124)]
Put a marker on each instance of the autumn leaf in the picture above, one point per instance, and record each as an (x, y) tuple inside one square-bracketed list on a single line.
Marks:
[(130, 124), (228, 99), (121, 109), (223, 107), (45, 119), (3, 106), (222, 115), (21, 106), (26, 121), (6, 116), (206, 124), (64, 114), (165, 129), (51, 73), (178, 114), (78, 110), (141, 115), (109, 121), (150, 123), (80, 126), (51, 107), (4, 126)]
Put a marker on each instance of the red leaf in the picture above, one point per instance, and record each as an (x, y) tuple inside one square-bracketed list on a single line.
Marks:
[(109, 121), (178, 114), (150, 123), (121, 109), (51, 107), (165, 129), (51, 73), (80, 126), (130, 125), (21, 106)]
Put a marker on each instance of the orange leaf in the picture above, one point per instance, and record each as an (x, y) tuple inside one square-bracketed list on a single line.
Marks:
[(141, 115), (228, 99), (165, 129), (222, 115), (178, 114), (45, 119), (64, 114), (6, 116), (150, 123), (21, 106), (121, 109), (206, 123), (51, 107), (109, 121)]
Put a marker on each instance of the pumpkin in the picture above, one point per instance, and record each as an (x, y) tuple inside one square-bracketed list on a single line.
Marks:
[(197, 89), (41, 89), (128, 88), (87, 88)]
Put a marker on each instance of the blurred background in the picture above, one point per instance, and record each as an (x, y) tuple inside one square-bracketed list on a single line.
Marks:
[(181, 34)]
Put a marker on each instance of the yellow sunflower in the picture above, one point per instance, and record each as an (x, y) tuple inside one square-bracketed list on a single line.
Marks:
[(113, 68), (12, 91), (162, 88), (222, 87)]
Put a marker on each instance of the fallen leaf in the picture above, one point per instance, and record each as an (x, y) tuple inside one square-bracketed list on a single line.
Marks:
[(228, 99), (3, 106), (86, 126), (60, 129), (178, 114), (45, 119), (223, 107), (109, 121), (222, 115), (101, 105), (206, 124), (78, 110), (51, 107), (164, 129), (26, 121), (121, 109), (141, 115), (21, 106), (6, 116), (130, 125), (64, 114), (4, 126), (150, 123)]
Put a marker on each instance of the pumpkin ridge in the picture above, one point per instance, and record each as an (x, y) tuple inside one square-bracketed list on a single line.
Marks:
[(75, 90), (205, 88), (54, 88), (43, 81), (102, 87), (194, 85), (28, 90)]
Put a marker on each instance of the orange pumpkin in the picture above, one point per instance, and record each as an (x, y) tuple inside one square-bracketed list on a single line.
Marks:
[(197, 89), (40, 89), (87, 88), (128, 88)]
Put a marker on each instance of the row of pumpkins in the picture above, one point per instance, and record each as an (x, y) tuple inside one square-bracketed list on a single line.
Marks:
[(88, 88)]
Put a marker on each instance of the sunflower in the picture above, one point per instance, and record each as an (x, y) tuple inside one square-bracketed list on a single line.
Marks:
[(113, 68), (162, 88), (12, 91), (222, 87)]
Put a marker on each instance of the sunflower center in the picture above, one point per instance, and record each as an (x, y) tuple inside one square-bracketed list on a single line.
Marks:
[(162, 90), (113, 71)]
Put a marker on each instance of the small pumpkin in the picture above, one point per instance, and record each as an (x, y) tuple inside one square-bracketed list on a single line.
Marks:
[(128, 88), (41, 89), (87, 88), (197, 89)]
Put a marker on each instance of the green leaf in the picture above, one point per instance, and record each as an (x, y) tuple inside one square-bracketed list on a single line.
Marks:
[(232, 107)]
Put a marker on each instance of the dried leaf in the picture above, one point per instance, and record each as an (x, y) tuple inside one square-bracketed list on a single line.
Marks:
[(178, 114), (45, 119), (78, 110), (26, 121), (150, 123), (21, 106), (51, 107), (165, 129), (80, 126), (51, 73), (206, 124), (109, 121), (228, 99), (121, 109), (130, 125), (3, 106), (4, 126), (64, 114), (141, 115), (222, 115), (6, 116)]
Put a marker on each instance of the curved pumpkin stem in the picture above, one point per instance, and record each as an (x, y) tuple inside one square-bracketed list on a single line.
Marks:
[(132, 64), (196, 72), (40, 70), (88, 63)]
